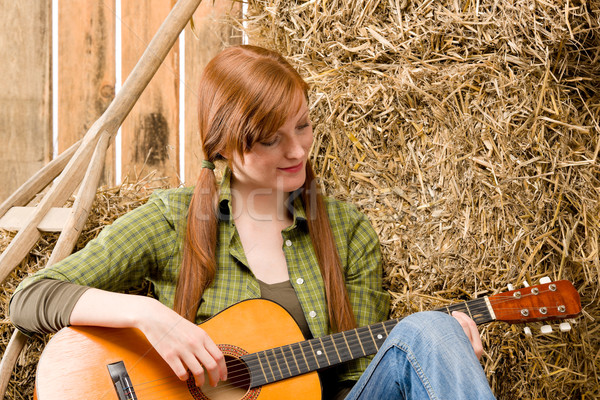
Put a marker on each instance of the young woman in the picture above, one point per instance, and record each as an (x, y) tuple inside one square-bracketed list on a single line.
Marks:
[(264, 231)]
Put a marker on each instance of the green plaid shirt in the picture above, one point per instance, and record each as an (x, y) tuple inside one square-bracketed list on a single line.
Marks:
[(145, 244)]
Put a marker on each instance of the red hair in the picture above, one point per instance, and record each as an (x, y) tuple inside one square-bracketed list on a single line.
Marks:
[(245, 95)]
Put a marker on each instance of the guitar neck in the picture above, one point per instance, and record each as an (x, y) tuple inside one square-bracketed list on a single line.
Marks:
[(310, 355)]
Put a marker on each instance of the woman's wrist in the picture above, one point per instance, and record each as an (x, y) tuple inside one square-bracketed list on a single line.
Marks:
[(144, 312)]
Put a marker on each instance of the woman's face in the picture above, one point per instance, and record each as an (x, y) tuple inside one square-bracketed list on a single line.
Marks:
[(278, 164)]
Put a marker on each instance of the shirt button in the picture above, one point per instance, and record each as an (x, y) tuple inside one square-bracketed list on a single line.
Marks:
[(299, 281), (288, 243), (312, 314)]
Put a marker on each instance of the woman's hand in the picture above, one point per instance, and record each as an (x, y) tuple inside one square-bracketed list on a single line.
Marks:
[(471, 331), (181, 343)]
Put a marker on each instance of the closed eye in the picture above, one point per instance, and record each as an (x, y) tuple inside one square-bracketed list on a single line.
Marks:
[(270, 142)]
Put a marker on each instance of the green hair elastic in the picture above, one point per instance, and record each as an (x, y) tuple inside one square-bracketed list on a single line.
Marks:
[(208, 164)]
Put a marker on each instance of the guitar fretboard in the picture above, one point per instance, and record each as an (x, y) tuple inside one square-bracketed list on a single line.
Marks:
[(310, 355)]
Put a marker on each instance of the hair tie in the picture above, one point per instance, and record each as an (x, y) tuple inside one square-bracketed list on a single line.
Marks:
[(208, 164)]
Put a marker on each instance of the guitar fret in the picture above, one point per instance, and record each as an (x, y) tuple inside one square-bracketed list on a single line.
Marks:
[(303, 357), (262, 369), (347, 345), (310, 355), (314, 353), (341, 350), (356, 347), (358, 339), (380, 332), (289, 371), (277, 363), (468, 310), (268, 364), (373, 338), (343, 347), (294, 356), (385, 330), (364, 338), (324, 351), (334, 346)]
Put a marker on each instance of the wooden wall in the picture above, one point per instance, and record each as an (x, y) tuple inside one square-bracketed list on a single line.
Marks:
[(86, 83)]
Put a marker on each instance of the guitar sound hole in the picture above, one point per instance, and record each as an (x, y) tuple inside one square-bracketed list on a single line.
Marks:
[(237, 373), (234, 388)]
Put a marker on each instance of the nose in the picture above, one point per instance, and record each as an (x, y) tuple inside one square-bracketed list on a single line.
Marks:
[(295, 148)]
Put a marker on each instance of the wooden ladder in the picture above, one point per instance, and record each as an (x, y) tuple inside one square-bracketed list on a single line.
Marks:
[(79, 166)]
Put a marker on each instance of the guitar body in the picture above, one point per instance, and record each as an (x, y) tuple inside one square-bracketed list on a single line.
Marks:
[(74, 364)]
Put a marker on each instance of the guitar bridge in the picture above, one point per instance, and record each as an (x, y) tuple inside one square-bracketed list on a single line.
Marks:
[(121, 380)]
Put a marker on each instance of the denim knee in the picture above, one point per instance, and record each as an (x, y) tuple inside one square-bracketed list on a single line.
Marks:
[(428, 328)]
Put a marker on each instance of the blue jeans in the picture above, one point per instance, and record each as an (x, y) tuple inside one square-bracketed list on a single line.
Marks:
[(426, 356)]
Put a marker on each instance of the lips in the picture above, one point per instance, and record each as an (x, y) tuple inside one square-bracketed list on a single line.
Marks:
[(293, 169)]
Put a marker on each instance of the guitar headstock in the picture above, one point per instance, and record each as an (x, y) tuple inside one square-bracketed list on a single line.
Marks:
[(547, 301)]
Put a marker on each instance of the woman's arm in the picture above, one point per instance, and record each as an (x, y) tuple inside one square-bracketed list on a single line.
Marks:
[(181, 343)]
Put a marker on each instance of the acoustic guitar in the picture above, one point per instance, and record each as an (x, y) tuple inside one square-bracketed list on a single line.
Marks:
[(266, 354)]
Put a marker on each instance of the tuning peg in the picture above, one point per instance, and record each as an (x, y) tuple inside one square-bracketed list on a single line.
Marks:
[(525, 284), (546, 329), (527, 331), (510, 287), (564, 327), (545, 279)]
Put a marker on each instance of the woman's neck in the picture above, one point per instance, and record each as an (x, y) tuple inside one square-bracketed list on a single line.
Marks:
[(259, 204)]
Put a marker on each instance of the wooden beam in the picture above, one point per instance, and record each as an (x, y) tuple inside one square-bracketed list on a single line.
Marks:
[(9, 359), (75, 221)]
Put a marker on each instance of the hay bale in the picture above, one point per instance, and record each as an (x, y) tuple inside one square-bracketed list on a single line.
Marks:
[(469, 134)]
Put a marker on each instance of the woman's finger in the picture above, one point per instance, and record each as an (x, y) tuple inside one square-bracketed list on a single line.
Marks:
[(195, 367), (218, 356), (470, 329)]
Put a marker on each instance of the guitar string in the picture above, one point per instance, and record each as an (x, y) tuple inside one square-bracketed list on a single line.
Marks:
[(475, 309), (221, 387), (302, 366), (351, 342)]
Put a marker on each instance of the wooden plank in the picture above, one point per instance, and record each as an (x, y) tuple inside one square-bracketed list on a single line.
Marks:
[(150, 136), (212, 34), (25, 95), (86, 70), (16, 218)]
